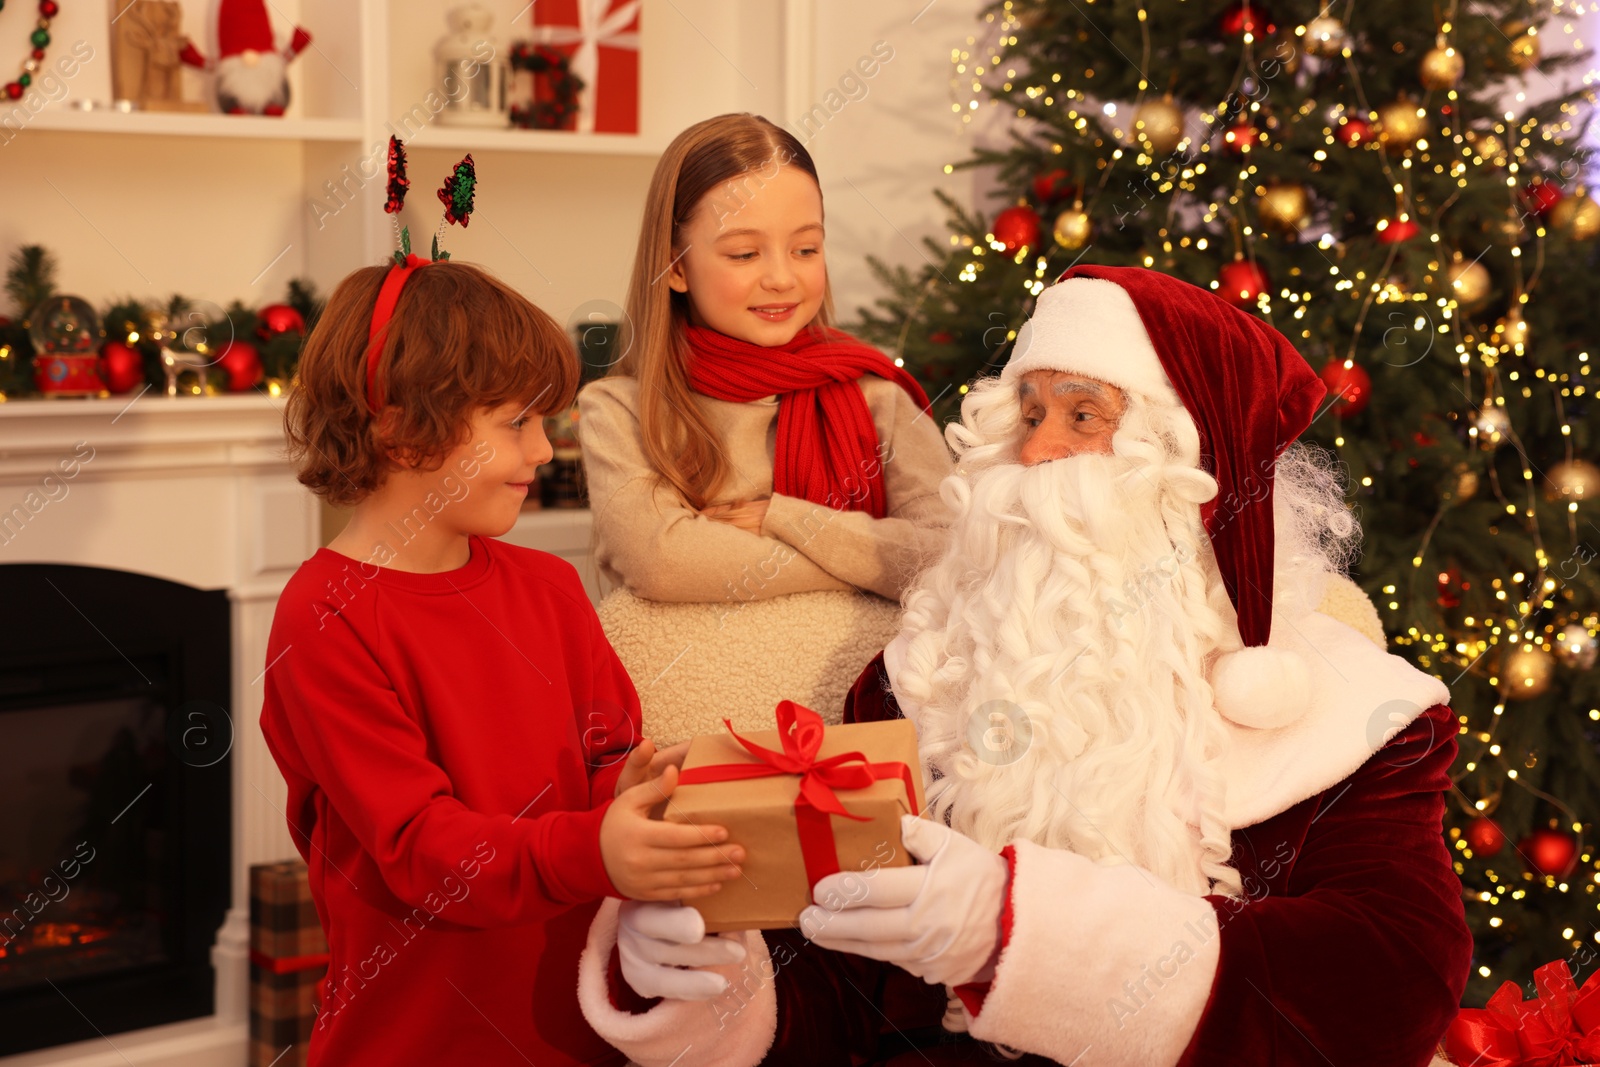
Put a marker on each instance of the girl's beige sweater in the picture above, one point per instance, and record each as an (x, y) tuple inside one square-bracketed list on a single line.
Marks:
[(648, 540)]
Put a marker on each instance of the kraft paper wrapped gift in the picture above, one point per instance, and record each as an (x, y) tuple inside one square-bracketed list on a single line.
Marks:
[(805, 801)]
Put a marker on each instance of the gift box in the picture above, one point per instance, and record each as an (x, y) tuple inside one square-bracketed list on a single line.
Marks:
[(288, 959), (805, 801), (602, 39), (1560, 1027)]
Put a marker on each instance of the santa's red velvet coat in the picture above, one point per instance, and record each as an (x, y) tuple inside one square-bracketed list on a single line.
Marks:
[(1349, 947)]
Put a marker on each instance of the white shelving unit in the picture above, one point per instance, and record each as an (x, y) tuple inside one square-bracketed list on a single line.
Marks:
[(226, 207)]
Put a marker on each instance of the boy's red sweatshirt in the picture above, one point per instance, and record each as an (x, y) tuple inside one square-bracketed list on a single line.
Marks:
[(451, 742)]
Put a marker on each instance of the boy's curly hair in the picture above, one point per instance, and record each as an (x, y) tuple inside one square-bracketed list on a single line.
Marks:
[(460, 340)]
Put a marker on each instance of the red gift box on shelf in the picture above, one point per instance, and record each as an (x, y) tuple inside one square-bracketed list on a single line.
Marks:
[(602, 39), (288, 959), (1558, 1028)]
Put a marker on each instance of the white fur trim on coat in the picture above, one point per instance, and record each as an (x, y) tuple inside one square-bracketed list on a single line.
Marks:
[(1119, 977), (695, 664), (735, 1030), (1360, 698), (1089, 326)]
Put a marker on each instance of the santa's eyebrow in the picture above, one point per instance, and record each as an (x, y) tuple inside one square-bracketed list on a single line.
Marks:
[(1092, 388)]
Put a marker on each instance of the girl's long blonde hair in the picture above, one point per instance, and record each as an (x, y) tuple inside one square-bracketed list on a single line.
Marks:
[(680, 444)]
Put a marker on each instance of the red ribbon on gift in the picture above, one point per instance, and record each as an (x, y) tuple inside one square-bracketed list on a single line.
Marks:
[(1560, 1027), (801, 731), (288, 964)]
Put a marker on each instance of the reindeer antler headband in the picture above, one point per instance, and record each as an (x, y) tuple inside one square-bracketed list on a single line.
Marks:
[(456, 194)]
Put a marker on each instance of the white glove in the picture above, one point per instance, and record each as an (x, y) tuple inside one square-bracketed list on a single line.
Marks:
[(940, 919), (657, 941)]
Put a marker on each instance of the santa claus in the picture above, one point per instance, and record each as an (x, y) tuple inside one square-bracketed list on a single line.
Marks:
[(1180, 816)]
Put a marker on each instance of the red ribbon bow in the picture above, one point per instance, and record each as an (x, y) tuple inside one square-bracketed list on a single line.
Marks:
[(800, 729), (1560, 1027)]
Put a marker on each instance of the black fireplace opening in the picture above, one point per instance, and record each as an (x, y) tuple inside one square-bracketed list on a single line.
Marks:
[(115, 770)]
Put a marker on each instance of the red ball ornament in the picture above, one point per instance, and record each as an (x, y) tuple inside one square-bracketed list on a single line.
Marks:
[(242, 363), (1241, 283), (122, 366), (1398, 230), (1484, 836), (1240, 138), (1052, 185), (37, 53), (1017, 228), (13, 91), (1354, 132), (1450, 589), (940, 337), (48, 8), (1540, 196), (1549, 852), (1244, 17), (1352, 386), (279, 318)]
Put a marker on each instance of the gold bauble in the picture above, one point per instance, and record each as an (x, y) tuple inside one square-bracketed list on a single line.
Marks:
[(1160, 122), (1493, 426), (1526, 672), (1466, 483), (1489, 147), (1578, 216), (1442, 68), (1325, 36), (1400, 124), (1073, 228), (1285, 206), (1572, 479), (1469, 282), (1576, 648), (1512, 330), (1524, 49)]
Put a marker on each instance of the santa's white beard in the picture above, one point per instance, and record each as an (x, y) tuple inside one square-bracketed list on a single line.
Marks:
[(1056, 665), (252, 86)]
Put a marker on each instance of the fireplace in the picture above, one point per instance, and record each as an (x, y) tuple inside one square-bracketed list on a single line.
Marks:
[(114, 740), (143, 545)]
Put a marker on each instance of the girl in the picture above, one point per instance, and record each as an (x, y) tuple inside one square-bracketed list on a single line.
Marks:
[(449, 718), (746, 457)]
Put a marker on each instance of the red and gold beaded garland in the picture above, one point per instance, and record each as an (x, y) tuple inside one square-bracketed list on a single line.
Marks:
[(40, 39)]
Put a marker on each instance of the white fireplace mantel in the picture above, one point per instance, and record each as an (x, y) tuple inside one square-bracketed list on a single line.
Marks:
[(195, 490)]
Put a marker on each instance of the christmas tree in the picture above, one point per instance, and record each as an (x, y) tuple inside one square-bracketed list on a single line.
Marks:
[(1398, 189)]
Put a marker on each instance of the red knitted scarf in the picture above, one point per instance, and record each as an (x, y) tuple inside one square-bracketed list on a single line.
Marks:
[(827, 449)]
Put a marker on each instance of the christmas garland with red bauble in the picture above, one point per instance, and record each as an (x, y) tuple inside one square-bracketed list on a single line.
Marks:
[(244, 349), (40, 39)]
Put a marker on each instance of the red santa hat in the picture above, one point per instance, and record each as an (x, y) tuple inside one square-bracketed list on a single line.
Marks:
[(243, 26), (1250, 395)]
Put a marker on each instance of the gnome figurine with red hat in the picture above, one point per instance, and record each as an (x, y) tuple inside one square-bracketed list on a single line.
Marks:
[(248, 64), (1184, 809)]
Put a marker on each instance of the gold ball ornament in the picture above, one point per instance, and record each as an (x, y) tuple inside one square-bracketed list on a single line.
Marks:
[(1441, 68), (1285, 206), (1578, 216), (1576, 648), (1488, 146), (1511, 331), (1469, 282), (1572, 479), (1400, 124), (1493, 426), (1160, 122), (1524, 50), (1465, 486), (1073, 228), (1325, 36), (1526, 672)]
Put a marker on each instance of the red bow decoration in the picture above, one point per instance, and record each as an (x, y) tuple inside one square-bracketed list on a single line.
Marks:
[(801, 730), (1560, 1027)]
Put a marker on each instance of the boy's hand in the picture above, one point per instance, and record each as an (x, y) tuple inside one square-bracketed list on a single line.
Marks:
[(648, 859), (645, 764)]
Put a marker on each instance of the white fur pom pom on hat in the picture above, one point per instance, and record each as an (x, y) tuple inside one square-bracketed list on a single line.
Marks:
[(1261, 687)]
